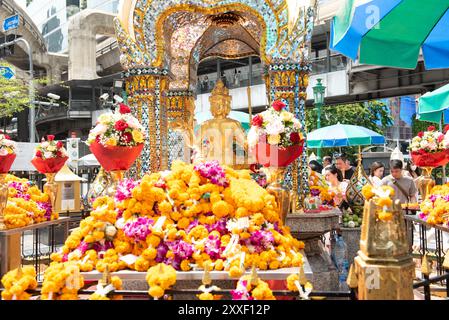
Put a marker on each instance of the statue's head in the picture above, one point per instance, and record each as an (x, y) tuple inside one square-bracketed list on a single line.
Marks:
[(220, 101)]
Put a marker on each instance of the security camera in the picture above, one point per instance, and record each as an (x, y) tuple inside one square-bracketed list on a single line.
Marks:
[(53, 96), (118, 99), (104, 97)]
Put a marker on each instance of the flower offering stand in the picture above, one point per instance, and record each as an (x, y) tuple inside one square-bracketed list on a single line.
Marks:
[(191, 280), (311, 229), (10, 243)]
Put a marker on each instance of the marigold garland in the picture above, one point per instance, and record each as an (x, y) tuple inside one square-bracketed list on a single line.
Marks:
[(182, 219), (62, 281), (435, 208), (17, 282), (103, 290), (252, 289), (382, 197), (159, 279), (26, 204)]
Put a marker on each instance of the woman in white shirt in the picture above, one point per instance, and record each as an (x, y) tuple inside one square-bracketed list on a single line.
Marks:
[(376, 173)]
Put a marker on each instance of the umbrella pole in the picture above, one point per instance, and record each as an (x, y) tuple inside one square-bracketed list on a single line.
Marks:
[(444, 167)]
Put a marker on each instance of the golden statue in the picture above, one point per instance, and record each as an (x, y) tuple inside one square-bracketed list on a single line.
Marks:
[(222, 139)]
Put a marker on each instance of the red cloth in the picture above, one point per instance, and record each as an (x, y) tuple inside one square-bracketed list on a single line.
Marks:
[(279, 285), (6, 162), (115, 158), (431, 159), (52, 165), (273, 156)]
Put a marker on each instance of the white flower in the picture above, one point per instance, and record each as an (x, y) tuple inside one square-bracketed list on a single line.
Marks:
[(133, 122), (3, 152), (253, 136), (99, 129), (45, 144), (424, 144), (275, 127), (432, 146), (110, 231), (296, 124), (48, 155)]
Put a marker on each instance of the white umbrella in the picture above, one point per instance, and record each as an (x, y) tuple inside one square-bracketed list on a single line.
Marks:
[(88, 161)]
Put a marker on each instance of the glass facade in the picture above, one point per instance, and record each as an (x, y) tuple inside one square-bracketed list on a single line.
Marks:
[(52, 16)]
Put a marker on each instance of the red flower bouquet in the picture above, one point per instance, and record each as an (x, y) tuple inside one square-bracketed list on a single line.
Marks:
[(425, 159), (115, 158), (117, 139), (430, 148), (276, 136), (275, 156), (50, 156), (6, 162), (8, 150)]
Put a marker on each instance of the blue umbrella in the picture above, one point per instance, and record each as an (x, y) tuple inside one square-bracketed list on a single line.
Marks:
[(343, 135)]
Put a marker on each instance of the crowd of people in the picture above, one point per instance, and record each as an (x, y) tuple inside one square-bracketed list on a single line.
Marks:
[(339, 170)]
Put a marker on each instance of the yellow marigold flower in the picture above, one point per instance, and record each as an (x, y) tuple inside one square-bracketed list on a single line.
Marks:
[(183, 223), (149, 254), (206, 296), (235, 272), (220, 209), (185, 265), (367, 191)]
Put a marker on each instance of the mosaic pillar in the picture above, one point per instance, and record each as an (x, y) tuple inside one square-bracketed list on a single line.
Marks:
[(288, 82), (181, 109), (145, 88)]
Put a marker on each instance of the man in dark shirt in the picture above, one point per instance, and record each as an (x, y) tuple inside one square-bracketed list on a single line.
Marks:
[(343, 165)]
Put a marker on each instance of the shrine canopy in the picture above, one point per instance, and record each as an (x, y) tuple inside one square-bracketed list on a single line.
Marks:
[(392, 32), (343, 135)]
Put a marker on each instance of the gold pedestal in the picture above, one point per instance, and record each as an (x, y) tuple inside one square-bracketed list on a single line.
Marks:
[(425, 183), (3, 199), (380, 279), (384, 268), (116, 176), (51, 188), (280, 192)]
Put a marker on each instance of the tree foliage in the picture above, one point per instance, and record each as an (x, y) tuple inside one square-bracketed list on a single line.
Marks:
[(14, 96), (418, 125), (374, 115)]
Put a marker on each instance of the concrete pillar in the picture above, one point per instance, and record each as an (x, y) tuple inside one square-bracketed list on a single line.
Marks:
[(83, 29)]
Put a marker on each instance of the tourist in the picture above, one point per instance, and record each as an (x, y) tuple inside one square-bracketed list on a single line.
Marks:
[(327, 162), (315, 166), (376, 175), (342, 164), (412, 170), (334, 178), (404, 187)]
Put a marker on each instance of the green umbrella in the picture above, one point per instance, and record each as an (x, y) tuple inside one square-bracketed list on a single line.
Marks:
[(343, 135), (392, 32), (434, 104)]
